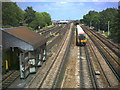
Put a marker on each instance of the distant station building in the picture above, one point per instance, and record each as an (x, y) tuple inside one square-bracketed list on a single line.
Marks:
[(23, 50), (54, 22), (63, 22)]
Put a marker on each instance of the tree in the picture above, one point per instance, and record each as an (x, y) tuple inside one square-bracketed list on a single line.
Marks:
[(107, 15), (35, 19), (41, 19), (101, 19), (115, 29), (12, 15), (38, 21), (91, 19), (47, 18), (29, 15), (86, 19)]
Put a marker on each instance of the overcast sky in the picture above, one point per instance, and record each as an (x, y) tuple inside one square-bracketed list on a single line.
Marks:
[(67, 10)]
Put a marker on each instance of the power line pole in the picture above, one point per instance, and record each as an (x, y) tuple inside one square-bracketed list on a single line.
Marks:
[(108, 27), (99, 26)]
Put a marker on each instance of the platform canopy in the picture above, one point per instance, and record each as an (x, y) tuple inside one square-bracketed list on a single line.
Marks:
[(23, 34)]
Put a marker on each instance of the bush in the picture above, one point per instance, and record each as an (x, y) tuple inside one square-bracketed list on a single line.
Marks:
[(7, 26), (30, 28)]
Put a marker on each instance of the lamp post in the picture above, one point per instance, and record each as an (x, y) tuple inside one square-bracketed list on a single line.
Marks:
[(108, 27)]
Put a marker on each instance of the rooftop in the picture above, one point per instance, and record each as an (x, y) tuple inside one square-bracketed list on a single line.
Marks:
[(27, 36)]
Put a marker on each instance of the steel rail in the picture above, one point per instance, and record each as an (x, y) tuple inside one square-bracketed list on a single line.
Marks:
[(48, 71), (91, 69), (9, 80), (106, 56), (110, 45), (91, 49), (116, 46), (61, 34)]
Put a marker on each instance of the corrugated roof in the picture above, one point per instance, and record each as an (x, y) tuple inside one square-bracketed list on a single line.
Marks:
[(28, 36)]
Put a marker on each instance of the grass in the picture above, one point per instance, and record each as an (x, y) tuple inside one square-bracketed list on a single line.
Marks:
[(104, 33), (91, 27), (48, 26)]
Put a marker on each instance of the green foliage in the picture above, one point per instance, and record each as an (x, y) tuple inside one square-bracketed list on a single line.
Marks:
[(99, 20), (29, 15), (7, 26), (91, 19), (11, 14), (107, 15), (47, 18), (48, 26), (115, 28), (35, 19), (30, 28), (41, 19)]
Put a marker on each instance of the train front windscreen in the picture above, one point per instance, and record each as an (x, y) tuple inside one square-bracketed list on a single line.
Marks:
[(82, 36)]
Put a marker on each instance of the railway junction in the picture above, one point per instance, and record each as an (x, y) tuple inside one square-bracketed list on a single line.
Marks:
[(51, 59)]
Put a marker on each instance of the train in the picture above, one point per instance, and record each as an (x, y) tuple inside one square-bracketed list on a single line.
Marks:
[(81, 36)]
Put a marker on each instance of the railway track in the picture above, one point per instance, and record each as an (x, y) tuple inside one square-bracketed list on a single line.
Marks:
[(87, 72), (9, 78), (115, 48), (13, 75), (55, 32), (48, 79), (111, 60), (60, 33), (43, 31), (93, 70), (100, 66), (51, 76), (91, 62), (49, 31), (107, 39), (7, 75)]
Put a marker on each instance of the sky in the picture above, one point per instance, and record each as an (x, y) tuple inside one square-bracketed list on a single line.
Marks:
[(67, 10), (64, 0)]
